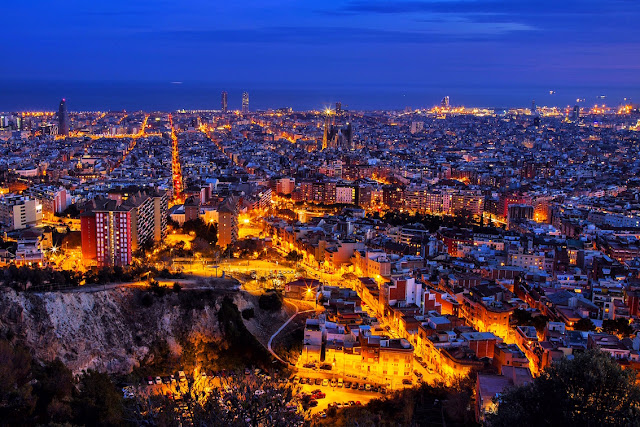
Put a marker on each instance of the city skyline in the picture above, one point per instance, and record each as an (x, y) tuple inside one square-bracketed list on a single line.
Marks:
[(176, 96)]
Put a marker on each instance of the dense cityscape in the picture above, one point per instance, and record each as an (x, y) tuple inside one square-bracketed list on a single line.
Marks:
[(453, 252)]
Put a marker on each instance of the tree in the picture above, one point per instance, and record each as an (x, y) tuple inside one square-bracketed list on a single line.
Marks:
[(17, 402), (589, 390), (618, 326), (54, 387), (255, 400), (521, 317), (207, 232), (293, 256), (584, 324), (248, 313), (97, 401), (270, 301)]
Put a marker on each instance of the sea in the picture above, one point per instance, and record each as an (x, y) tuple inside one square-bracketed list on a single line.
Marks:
[(171, 96)]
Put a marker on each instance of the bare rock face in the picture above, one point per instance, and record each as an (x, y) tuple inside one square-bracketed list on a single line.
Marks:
[(110, 331)]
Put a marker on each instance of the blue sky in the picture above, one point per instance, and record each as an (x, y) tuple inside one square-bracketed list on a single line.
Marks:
[(304, 42)]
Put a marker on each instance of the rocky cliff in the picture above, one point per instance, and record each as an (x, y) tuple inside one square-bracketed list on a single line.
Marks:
[(113, 330)]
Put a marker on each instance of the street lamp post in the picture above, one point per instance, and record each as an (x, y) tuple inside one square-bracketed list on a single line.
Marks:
[(333, 367)]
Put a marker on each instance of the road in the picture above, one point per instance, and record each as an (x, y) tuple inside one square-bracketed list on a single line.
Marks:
[(284, 325)]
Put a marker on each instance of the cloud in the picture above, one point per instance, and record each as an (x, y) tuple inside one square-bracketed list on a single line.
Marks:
[(431, 33), (579, 20), (521, 8)]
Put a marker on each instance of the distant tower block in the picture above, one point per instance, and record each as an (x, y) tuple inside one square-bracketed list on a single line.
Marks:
[(445, 102), (338, 107), (224, 103), (245, 103), (533, 107), (63, 118)]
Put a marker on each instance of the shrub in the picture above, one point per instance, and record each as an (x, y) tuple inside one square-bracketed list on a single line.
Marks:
[(270, 302)]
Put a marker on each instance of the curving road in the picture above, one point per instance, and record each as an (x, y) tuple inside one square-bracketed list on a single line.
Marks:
[(284, 325)]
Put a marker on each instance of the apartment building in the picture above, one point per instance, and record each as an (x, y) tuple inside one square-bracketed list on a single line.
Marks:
[(18, 212)]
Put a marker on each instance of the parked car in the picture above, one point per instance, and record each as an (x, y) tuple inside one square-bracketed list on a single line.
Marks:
[(367, 387), (361, 387), (325, 382), (354, 386), (158, 380), (149, 380), (347, 384), (333, 382), (340, 382), (318, 381)]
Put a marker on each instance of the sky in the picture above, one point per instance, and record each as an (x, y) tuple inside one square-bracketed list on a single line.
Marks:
[(307, 43)]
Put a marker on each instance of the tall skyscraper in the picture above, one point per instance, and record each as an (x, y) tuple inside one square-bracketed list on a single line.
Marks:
[(445, 102), (576, 113), (245, 102), (338, 107), (224, 102), (63, 118), (533, 107)]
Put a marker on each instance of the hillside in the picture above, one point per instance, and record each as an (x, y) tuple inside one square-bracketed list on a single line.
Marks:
[(119, 330)]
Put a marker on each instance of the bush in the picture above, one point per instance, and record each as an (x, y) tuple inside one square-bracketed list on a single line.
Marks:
[(157, 289), (248, 313), (146, 300), (177, 287), (270, 302)]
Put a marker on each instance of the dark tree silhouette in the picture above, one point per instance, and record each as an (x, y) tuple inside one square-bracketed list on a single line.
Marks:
[(589, 390)]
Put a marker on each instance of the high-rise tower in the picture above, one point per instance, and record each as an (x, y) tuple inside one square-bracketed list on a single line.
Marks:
[(63, 118), (576, 113), (245, 102), (327, 128), (224, 101), (445, 102)]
